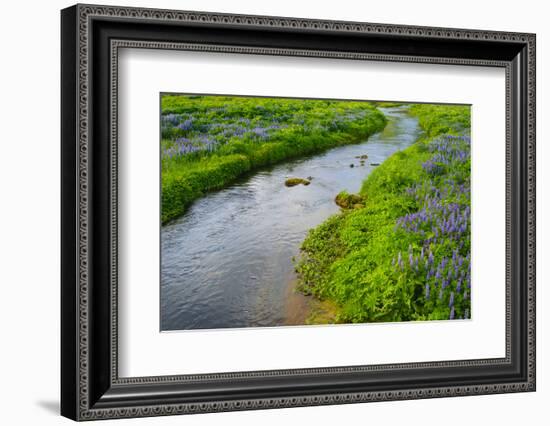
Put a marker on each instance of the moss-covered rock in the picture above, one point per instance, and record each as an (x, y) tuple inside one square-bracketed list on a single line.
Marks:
[(296, 181), (348, 201)]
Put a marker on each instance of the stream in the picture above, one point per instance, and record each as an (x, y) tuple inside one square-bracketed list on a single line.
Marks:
[(227, 262)]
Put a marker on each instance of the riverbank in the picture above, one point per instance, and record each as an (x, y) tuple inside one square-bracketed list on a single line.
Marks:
[(405, 255), (210, 141)]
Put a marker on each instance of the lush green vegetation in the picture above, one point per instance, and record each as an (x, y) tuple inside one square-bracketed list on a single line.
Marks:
[(405, 253), (437, 120), (209, 141)]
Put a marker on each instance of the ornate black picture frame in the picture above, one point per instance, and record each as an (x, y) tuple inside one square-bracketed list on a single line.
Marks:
[(91, 387)]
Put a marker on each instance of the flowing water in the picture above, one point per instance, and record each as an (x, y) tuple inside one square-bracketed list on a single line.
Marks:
[(227, 262)]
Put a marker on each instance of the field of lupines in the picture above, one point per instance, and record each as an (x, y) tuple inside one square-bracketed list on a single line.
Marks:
[(209, 141), (405, 255)]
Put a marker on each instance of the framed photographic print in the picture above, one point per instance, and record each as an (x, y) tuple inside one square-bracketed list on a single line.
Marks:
[(263, 212)]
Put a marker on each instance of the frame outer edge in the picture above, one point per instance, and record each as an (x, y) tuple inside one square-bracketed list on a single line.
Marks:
[(83, 13), (82, 133), (531, 200)]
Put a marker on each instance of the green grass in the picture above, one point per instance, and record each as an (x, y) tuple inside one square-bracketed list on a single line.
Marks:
[(442, 119), (228, 137), (350, 259)]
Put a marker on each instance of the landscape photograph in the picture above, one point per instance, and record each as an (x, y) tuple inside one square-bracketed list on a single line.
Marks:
[(306, 212)]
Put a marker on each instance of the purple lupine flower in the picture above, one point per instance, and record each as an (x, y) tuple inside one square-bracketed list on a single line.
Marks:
[(260, 132), (186, 125), (452, 314), (400, 261), (171, 119), (444, 214)]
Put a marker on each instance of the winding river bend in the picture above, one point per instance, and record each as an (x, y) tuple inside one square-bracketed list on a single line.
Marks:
[(227, 262)]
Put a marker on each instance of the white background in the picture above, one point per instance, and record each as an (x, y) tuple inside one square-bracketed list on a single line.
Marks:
[(29, 226), (146, 352)]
